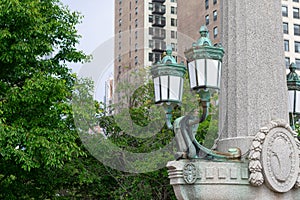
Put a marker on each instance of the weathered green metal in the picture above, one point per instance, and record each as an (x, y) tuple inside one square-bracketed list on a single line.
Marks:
[(293, 80), (168, 66), (204, 49)]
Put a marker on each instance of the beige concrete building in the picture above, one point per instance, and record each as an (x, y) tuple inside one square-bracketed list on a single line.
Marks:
[(291, 30), (143, 29)]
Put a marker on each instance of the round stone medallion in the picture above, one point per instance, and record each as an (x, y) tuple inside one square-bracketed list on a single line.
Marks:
[(280, 160), (189, 173)]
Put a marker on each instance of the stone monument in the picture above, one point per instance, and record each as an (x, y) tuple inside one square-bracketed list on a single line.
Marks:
[(253, 115)]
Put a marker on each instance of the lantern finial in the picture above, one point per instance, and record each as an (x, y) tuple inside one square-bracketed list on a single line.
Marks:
[(204, 39), (168, 59), (292, 76)]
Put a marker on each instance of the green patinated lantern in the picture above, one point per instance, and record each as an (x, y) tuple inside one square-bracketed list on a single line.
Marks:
[(204, 63), (293, 84), (168, 78)]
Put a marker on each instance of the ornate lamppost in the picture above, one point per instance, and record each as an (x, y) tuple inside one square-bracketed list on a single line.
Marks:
[(293, 84), (204, 70)]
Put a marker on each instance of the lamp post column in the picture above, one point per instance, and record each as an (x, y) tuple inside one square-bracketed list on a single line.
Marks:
[(253, 87)]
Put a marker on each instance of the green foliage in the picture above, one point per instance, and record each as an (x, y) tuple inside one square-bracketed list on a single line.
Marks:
[(38, 140)]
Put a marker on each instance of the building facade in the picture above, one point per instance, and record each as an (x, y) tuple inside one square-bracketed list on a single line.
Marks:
[(291, 30), (201, 12), (143, 29), (194, 14)]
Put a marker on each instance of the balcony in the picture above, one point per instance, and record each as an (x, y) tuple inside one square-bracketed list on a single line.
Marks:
[(159, 46), (159, 1), (159, 9), (159, 34), (159, 21)]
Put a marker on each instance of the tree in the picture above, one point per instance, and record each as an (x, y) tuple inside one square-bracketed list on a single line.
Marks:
[(38, 138)]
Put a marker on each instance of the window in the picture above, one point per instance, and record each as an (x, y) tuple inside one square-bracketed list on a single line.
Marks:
[(285, 28), (151, 44), (215, 2), (150, 31), (284, 11), (287, 62), (297, 47), (157, 57), (120, 45), (136, 34), (286, 45), (173, 45), (297, 62), (206, 4), (207, 19), (136, 60), (296, 13), (130, 5), (174, 1), (136, 1), (173, 22), (174, 34), (136, 23), (150, 57), (120, 1), (120, 22), (215, 13), (150, 6), (150, 18), (120, 35), (173, 10), (215, 32), (136, 47), (120, 11), (296, 29), (295, 0), (136, 10), (129, 16), (119, 58)]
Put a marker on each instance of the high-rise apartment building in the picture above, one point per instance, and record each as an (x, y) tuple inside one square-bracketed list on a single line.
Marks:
[(195, 13), (143, 29), (192, 15), (291, 30)]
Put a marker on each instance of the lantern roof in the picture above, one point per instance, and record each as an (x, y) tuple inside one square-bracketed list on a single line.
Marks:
[(203, 48)]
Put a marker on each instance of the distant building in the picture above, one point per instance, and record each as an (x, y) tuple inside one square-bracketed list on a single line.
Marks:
[(143, 29), (208, 12), (109, 94)]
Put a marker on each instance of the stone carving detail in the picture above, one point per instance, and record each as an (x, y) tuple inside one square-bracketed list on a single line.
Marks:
[(274, 157), (189, 173)]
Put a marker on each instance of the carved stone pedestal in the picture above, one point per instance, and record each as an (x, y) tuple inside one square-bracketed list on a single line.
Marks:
[(269, 172)]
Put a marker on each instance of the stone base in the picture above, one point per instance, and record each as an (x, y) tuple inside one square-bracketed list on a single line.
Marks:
[(210, 180)]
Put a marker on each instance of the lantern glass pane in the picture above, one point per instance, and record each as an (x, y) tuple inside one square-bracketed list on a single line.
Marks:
[(219, 75), (291, 100), (174, 88), (192, 74), (164, 81), (201, 72), (212, 72), (297, 101), (181, 89), (156, 89)]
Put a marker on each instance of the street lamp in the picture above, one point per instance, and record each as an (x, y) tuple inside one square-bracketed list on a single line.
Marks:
[(168, 83), (204, 67), (293, 84)]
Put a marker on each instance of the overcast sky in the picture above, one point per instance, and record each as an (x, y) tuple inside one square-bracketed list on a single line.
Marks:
[(97, 31), (97, 24)]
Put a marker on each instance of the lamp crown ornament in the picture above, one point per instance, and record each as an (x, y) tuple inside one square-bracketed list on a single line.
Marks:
[(292, 76)]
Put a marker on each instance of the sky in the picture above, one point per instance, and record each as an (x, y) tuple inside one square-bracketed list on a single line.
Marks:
[(98, 23), (97, 31)]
